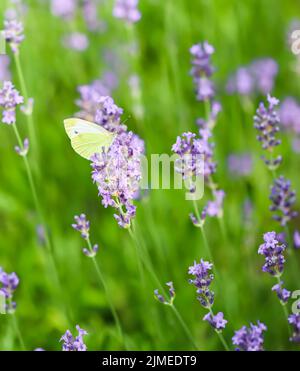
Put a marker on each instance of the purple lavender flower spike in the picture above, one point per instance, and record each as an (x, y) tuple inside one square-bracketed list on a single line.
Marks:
[(240, 165), (9, 283), (13, 31), (202, 70), (218, 322), (297, 239), (76, 41), (4, 68), (282, 293), (250, 339), (82, 225), (215, 208), (108, 115), (71, 343), (282, 201), (241, 82), (273, 252), (10, 98), (24, 150), (199, 223), (127, 10), (289, 113), (294, 320), (202, 280), (63, 8), (162, 299), (92, 253), (266, 121)]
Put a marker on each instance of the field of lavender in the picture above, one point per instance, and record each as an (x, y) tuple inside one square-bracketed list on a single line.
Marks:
[(90, 262)]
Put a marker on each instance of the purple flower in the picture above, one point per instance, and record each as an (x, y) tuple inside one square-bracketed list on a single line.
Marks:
[(161, 298), (195, 221), (273, 252), (202, 280), (266, 122), (4, 68), (218, 322), (82, 225), (297, 239), (294, 320), (22, 151), (13, 31), (282, 293), (71, 343), (127, 10), (202, 70), (240, 165), (282, 200), (90, 15), (241, 82), (76, 41), (63, 8), (9, 283), (250, 339), (215, 208), (10, 98), (91, 253), (289, 114), (108, 115), (195, 154)]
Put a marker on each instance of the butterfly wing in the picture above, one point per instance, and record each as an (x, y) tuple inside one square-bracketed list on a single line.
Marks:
[(86, 137)]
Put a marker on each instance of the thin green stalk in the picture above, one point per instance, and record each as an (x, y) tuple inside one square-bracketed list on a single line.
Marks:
[(219, 333), (145, 259), (30, 122), (107, 294), (284, 310), (184, 326), (17, 331)]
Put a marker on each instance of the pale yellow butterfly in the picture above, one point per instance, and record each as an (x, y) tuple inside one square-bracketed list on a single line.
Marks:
[(86, 137)]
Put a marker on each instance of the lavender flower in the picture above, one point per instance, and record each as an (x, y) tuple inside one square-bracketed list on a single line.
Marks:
[(22, 151), (91, 253), (289, 114), (273, 252), (127, 10), (282, 293), (202, 281), (195, 155), (63, 8), (240, 165), (282, 200), (294, 320), (297, 239), (216, 321), (71, 343), (9, 282), (13, 31), (202, 70), (161, 298), (82, 225), (215, 208), (241, 82), (108, 115), (266, 122), (90, 15), (76, 41), (199, 223), (10, 98), (250, 339), (4, 68)]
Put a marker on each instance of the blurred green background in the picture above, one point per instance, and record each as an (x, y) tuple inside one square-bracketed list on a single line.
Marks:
[(240, 31)]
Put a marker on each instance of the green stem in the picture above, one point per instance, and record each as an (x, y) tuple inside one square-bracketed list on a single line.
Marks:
[(219, 333), (285, 312), (107, 294), (17, 331), (30, 122), (184, 326)]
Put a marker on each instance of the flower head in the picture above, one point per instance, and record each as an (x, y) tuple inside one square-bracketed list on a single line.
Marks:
[(282, 293), (218, 322), (294, 320), (202, 280), (215, 207), (77, 41), (250, 338), (273, 252), (9, 283), (108, 114), (240, 165), (10, 98), (283, 198), (127, 10), (82, 225), (63, 8), (71, 343), (4, 68), (13, 31), (202, 70), (297, 239), (162, 299), (23, 150)]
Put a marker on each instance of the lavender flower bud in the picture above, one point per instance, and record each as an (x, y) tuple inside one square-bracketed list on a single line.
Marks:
[(297, 239), (92, 253), (71, 343), (294, 320), (273, 252), (202, 280), (216, 321), (24, 150), (10, 98), (9, 283), (82, 225), (162, 299), (250, 339), (13, 31), (282, 293), (127, 10)]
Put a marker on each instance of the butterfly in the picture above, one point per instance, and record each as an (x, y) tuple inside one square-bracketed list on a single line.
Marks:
[(87, 138)]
